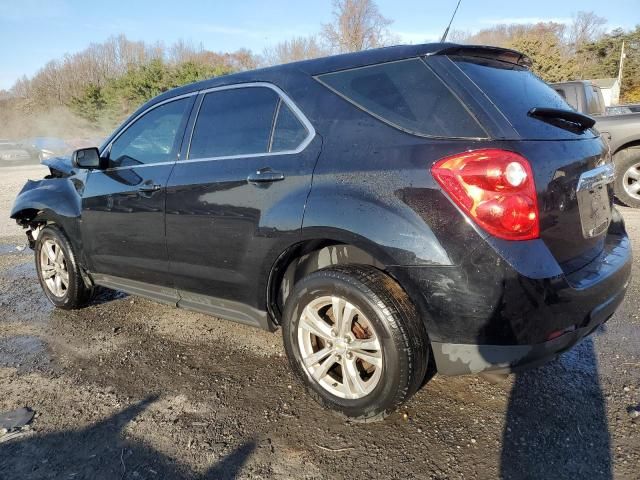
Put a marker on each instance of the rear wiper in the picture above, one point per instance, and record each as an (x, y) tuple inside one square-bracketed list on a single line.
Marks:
[(561, 118)]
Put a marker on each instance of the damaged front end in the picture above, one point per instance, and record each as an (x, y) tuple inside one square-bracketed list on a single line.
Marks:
[(54, 199)]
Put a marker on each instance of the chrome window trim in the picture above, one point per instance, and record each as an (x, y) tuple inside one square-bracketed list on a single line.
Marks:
[(132, 121), (311, 132), (274, 124)]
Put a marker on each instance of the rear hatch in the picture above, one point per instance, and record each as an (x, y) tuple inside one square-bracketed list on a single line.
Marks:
[(570, 162)]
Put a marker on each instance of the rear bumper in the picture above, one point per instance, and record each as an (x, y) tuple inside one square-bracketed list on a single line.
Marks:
[(503, 312), (461, 359)]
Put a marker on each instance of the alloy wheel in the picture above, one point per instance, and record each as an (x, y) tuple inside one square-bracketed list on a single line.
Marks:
[(53, 267), (339, 347)]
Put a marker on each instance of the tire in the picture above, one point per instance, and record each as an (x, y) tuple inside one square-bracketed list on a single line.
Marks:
[(627, 164), (384, 316), (55, 260)]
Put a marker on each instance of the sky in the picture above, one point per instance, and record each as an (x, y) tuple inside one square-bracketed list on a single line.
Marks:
[(32, 32)]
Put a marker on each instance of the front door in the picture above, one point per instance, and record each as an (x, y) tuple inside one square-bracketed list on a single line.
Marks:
[(237, 200), (123, 206)]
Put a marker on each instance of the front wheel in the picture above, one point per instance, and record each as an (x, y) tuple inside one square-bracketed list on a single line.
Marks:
[(58, 270), (355, 341)]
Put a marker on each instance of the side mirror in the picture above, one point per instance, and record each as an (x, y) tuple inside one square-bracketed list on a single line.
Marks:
[(86, 158)]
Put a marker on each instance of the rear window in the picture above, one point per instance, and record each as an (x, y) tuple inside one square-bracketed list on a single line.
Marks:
[(515, 91), (594, 101), (407, 95)]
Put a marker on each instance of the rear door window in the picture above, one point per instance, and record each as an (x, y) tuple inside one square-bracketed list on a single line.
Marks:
[(515, 90), (233, 122), (288, 130), (243, 122), (407, 95)]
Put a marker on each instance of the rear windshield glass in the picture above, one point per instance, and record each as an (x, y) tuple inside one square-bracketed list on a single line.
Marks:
[(407, 95), (515, 91)]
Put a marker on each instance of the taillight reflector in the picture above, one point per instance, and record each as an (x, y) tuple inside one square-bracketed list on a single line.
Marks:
[(495, 188)]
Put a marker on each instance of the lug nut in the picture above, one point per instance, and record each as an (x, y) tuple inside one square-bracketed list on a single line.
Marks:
[(329, 344), (347, 339), (333, 332), (349, 355), (338, 357)]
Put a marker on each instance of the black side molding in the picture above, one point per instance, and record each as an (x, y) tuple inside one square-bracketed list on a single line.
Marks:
[(551, 114)]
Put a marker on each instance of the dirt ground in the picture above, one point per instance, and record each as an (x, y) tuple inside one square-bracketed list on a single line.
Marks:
[(130, 389)]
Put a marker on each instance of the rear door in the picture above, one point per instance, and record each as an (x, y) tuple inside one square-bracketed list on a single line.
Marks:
[(123, 206), (237, 198)]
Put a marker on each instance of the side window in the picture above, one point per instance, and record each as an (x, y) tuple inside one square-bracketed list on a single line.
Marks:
[(407, 95), (152, 138), (288, 132), (234, 122), (598, 105)]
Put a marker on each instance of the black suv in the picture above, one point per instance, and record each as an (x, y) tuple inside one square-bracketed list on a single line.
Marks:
[(394, 209)]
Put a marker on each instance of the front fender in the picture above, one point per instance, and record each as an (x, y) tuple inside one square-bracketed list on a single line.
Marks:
[(54, 196), (54, 200)]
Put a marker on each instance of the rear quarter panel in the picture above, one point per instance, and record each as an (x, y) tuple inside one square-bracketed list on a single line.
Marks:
[(372, 187)]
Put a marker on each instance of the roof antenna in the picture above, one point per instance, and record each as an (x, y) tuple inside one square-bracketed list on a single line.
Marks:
[(446, 32)]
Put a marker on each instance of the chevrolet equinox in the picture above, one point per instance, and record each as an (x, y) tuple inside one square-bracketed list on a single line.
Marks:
[(391, 210)]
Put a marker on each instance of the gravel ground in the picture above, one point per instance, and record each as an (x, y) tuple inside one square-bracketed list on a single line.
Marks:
[(130, 389)]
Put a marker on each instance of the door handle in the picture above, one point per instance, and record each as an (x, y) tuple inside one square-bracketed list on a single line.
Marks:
[(265, 175), (147, 188)]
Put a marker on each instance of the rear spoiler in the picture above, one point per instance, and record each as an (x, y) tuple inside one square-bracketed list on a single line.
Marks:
[(490, 53)]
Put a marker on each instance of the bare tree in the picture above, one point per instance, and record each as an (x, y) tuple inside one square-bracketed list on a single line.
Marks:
[(183, 51), (357, 25), (243, 59), (293, 50), (22, 87), (459, 36), (586, 27)]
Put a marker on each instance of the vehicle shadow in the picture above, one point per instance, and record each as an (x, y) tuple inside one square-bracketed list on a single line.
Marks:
[(105, 295), (101, 451), (556, 425)]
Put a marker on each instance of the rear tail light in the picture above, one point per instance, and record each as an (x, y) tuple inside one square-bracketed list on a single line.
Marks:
[(495, 188)]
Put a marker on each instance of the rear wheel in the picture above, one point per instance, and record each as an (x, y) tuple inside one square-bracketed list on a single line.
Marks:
[(627, 183), (58, 271), (355, 341)]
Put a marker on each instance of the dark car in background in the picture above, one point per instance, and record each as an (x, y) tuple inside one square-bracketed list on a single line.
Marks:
[(48, 146), (17, 153), (388, 209)]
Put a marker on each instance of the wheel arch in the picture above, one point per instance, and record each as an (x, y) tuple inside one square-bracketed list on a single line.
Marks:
[(49, 201), (313, 254), (630, 144)]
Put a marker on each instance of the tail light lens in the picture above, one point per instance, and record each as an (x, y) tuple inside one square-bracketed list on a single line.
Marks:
[(495, 188)]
